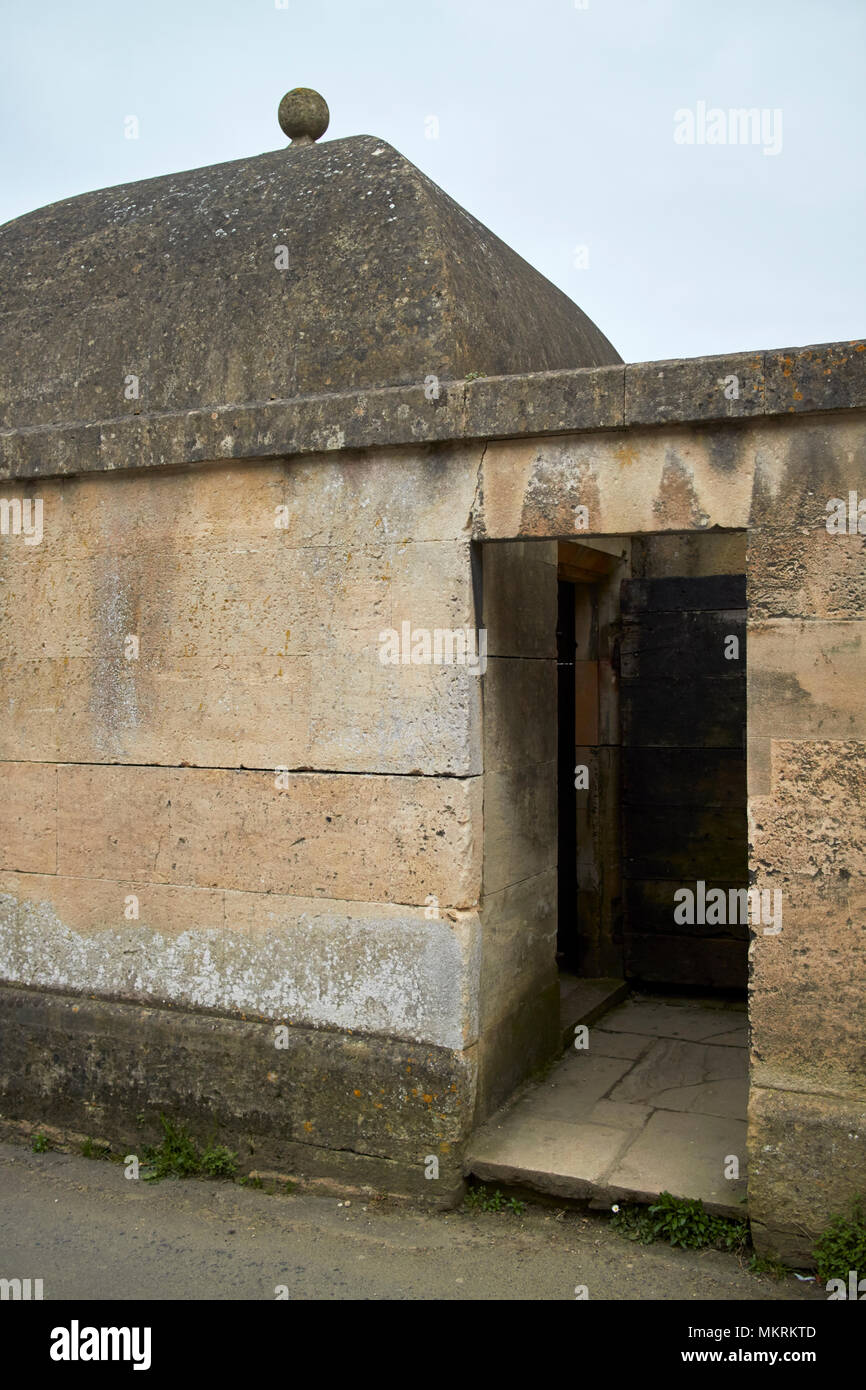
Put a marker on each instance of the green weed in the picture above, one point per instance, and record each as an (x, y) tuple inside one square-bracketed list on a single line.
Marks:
[(842, 1247), (682, 1222), (479, 1199), (178, 1156)]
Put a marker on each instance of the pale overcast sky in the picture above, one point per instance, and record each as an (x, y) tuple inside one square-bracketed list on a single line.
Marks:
[(555, 127)]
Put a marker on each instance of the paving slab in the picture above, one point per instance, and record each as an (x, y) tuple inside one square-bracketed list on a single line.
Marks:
[(685, 1155), (671, 1064), (593, 1075), (729, 1098), (603, 1044), (737, 1037), (666, 1019), (609, 1112), (563, 1159)]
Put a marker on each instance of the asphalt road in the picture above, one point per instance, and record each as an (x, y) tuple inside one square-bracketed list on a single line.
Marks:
[(90, 1233)]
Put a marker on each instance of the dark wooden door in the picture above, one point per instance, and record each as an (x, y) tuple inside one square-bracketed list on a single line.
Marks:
[(684, 774)]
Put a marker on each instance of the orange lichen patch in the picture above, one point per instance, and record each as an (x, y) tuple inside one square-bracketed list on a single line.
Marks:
[(308, 1126), (356, 1093), (798, 395), (378, 1105), (428, 1100), (445, 1147)]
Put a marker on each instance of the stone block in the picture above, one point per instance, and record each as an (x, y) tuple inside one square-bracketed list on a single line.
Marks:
[(251, 651), (519, 825), (807, 1160), (518, 1044), (334, 1108), (804, 679), (827, 376), (28, 817), (696, 388), (519, 713), (518, 956), (519, 603), (642, 480), (813, 822), (806, 985), (799, 464), (805, 573), (582, 399), (360, 967), (388, 839)]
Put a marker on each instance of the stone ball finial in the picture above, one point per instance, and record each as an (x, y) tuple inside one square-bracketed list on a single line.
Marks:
[(304, 115)]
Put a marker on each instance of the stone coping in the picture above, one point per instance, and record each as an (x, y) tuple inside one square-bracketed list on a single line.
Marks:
[(696, 390)]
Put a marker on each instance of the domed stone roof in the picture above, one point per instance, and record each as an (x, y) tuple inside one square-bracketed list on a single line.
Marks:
[(316, 268)]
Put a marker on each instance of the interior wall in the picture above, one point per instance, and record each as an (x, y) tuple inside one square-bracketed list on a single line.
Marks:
[(598, 566), (519, 996)]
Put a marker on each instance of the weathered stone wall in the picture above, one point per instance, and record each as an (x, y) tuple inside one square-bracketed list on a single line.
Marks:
[(807, 814), (254, 815)]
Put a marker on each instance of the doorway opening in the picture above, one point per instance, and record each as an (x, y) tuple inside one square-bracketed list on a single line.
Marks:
[(650, 796)]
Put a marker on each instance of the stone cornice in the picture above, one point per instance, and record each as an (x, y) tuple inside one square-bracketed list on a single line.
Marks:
[(697, 390)]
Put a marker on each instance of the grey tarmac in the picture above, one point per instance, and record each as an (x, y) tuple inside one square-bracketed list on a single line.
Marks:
[(90, 1233)]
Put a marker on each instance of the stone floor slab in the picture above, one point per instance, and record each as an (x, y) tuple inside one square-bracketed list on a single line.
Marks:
[(671, 1019), (608, 1112), (729, 1098), (553, 1156), (604, 1044), (589, 1073), (737, 1037), (685, 1155), (671, 1064)]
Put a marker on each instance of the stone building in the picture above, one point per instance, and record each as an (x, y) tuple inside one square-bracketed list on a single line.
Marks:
[(265, 873)]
